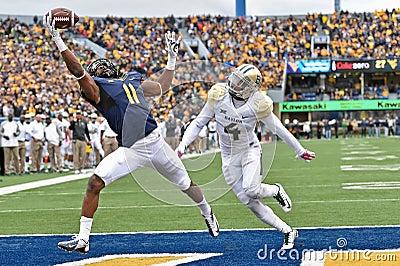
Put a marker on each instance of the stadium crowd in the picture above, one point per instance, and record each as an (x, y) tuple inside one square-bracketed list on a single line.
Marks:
[(136, 44), (32, 82)]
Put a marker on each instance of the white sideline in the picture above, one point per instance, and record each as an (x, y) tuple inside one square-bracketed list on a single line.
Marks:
[(63, 179), (42, 183)]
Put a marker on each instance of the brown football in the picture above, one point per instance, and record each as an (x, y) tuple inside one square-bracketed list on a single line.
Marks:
[(64, 17)]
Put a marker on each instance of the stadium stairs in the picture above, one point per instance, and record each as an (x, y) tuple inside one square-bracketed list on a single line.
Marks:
[(194, 46)]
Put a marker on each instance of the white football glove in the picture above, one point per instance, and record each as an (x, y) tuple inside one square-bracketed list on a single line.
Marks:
[(50, 26), (172, 43), (172, 49), (180, 150), (55, 35), (306, 156)]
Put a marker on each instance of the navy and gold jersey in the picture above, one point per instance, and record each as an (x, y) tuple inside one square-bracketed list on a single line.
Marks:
[(123, 104)]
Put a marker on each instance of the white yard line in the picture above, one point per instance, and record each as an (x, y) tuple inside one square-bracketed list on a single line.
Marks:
[(41, 193), (370, 167), (63, 179), (42, 183), (215, 204), (376, 158)]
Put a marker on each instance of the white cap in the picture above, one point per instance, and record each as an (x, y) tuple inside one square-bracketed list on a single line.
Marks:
[(65, 114), (93, 115)]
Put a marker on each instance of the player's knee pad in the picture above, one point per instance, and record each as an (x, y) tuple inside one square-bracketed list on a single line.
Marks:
[(252, 203), (259, 209), (253, 191), (243, 198), (186, 185)]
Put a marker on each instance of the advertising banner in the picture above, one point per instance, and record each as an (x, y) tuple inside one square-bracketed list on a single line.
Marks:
[(378, 65), (309, 66), (320, 106)]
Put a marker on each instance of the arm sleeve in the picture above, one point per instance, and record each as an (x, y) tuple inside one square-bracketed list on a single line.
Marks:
[(195, 127), (273, 124)]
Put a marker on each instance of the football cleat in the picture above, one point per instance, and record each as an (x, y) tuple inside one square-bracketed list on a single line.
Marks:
[(76, 244), (288, 242), (212, 224), (283, 199)]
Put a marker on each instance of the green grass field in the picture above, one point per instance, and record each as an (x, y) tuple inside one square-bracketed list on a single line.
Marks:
[(316, 190)]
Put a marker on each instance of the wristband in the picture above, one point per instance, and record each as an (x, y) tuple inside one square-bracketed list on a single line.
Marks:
[(60, 44), (81, 77), (171, 62)]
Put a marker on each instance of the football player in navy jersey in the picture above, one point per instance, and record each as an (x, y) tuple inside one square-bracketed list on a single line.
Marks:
[(121, 100)]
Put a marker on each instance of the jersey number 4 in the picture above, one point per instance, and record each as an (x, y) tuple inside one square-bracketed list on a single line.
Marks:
[(131, 94), (232, 129)]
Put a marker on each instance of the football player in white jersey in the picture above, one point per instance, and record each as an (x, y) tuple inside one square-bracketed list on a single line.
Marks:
[(63, 126), (95, 138), (237, 106)]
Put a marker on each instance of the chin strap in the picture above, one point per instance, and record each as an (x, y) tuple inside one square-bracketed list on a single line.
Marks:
[(235, 97)]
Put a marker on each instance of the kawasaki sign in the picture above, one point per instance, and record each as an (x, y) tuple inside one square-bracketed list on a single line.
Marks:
[(319, 106)]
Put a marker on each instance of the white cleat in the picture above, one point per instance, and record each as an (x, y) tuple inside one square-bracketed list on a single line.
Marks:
[(212, 224), (78, 245), (283, 199), (288, 242)]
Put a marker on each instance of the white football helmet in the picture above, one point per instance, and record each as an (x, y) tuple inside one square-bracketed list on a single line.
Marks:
[(244, 81)]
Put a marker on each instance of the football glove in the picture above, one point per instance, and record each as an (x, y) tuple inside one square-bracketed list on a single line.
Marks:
[(172, 43), (50, 26), (306, 156), (55, 35), (180, 150), (172, 49)]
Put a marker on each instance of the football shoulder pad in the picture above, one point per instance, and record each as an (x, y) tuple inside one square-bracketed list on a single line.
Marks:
[(263, 105), (216, 93)]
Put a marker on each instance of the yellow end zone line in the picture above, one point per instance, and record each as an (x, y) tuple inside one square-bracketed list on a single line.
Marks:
[(189, 257)]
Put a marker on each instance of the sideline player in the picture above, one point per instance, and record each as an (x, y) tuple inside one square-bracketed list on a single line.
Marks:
[(118, 97), (94, 131), (237, 106)]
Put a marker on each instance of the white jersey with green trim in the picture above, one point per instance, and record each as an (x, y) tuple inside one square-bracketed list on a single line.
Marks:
[(235, 124)]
